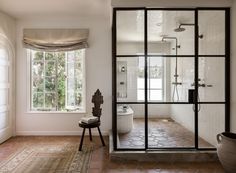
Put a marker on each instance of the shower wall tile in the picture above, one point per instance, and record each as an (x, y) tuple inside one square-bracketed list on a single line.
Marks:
[(212, 27)]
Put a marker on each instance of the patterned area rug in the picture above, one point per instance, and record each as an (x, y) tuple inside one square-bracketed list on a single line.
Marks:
[(48, 159)]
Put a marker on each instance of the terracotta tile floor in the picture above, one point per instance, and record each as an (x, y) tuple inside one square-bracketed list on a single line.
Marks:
[(100, 162), (161, 133)]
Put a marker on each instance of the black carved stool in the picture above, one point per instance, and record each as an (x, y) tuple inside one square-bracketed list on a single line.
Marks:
[(97, 112)]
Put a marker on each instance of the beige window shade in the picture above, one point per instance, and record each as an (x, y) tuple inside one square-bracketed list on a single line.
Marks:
[(55, 39)]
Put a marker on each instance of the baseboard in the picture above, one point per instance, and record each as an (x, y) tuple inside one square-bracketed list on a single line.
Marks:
[(59, 133)]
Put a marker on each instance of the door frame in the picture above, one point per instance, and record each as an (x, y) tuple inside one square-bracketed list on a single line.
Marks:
[(8, 131)]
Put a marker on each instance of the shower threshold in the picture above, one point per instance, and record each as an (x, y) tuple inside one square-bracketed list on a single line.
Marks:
[(161, 155)]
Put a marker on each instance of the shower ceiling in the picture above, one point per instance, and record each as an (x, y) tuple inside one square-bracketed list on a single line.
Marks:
[(159, 23)]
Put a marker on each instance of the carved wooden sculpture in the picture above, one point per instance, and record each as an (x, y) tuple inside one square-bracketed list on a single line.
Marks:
[(97, 99)]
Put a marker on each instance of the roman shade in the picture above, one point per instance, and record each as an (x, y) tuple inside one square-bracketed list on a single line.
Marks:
[(55, 39)]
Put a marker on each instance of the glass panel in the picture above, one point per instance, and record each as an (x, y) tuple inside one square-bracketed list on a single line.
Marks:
[(60, 56), (211, 79), (130, 79), (50, 100), (38, 100), (4, 93), (50, 84), (155, 95), (74, 100), (211, 121), (130, 32), (38, 84), (155, 78), (49, 56), (170, 78), (38, 68), (130, 126), (4, 74), (50, 68), (171, 32), (182, 81), (74, 79), (212, 28), (37, 55), (4, 119), (170, 125)]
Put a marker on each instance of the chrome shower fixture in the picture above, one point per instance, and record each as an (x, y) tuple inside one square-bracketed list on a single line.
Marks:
[(200, 36), (175, 83), (171, 38), (181, 29)]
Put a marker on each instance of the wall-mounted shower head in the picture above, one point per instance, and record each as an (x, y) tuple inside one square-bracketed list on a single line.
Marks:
[(181, 29)]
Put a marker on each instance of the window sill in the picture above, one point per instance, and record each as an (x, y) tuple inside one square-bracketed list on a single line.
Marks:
[(56, 112)]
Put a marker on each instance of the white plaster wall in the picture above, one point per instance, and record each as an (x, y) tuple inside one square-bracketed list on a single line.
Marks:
[(28, 123), (8, 27), (98, 75)]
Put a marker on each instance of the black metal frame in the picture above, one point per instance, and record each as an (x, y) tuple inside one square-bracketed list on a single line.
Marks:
[(195, 56)]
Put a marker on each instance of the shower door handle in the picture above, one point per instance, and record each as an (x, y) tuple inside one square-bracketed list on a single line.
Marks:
[(191, 95)]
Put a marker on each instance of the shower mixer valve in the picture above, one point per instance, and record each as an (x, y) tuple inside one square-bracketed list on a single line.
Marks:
[(201, 85), (176, 83)]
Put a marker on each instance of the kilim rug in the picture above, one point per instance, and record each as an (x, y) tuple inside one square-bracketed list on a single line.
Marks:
[(48, 159)]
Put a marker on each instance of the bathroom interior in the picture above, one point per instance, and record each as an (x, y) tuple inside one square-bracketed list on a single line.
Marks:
[(170, 73)]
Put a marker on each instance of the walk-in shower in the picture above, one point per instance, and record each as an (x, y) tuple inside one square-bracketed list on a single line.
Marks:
[(159, 55)]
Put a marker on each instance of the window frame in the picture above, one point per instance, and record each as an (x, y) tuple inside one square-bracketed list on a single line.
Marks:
[(29, 88)]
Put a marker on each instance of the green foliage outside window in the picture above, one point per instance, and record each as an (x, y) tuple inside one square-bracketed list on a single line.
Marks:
[(57, 80)]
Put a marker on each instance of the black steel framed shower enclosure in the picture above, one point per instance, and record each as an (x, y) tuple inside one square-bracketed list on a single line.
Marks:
[(196, 57)]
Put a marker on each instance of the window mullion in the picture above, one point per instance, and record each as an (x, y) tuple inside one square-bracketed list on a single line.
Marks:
[(74, 81), (44, 76), (66, 81), (31, 80), (149, 81), (56, 82)]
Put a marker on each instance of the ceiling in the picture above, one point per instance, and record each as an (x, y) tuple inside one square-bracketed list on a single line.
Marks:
[(130, 24), (24, 9)]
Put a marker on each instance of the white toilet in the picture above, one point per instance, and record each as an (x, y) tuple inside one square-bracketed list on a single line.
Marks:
[(124, 119)]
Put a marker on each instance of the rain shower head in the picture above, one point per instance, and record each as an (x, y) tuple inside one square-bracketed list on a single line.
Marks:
[(181, 29)]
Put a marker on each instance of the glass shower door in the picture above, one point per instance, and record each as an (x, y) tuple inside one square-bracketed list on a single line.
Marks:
[(212, 76), (130, 88), (171, 73)]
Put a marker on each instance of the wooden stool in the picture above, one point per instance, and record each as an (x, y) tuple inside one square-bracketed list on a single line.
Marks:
[(97, 99)]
